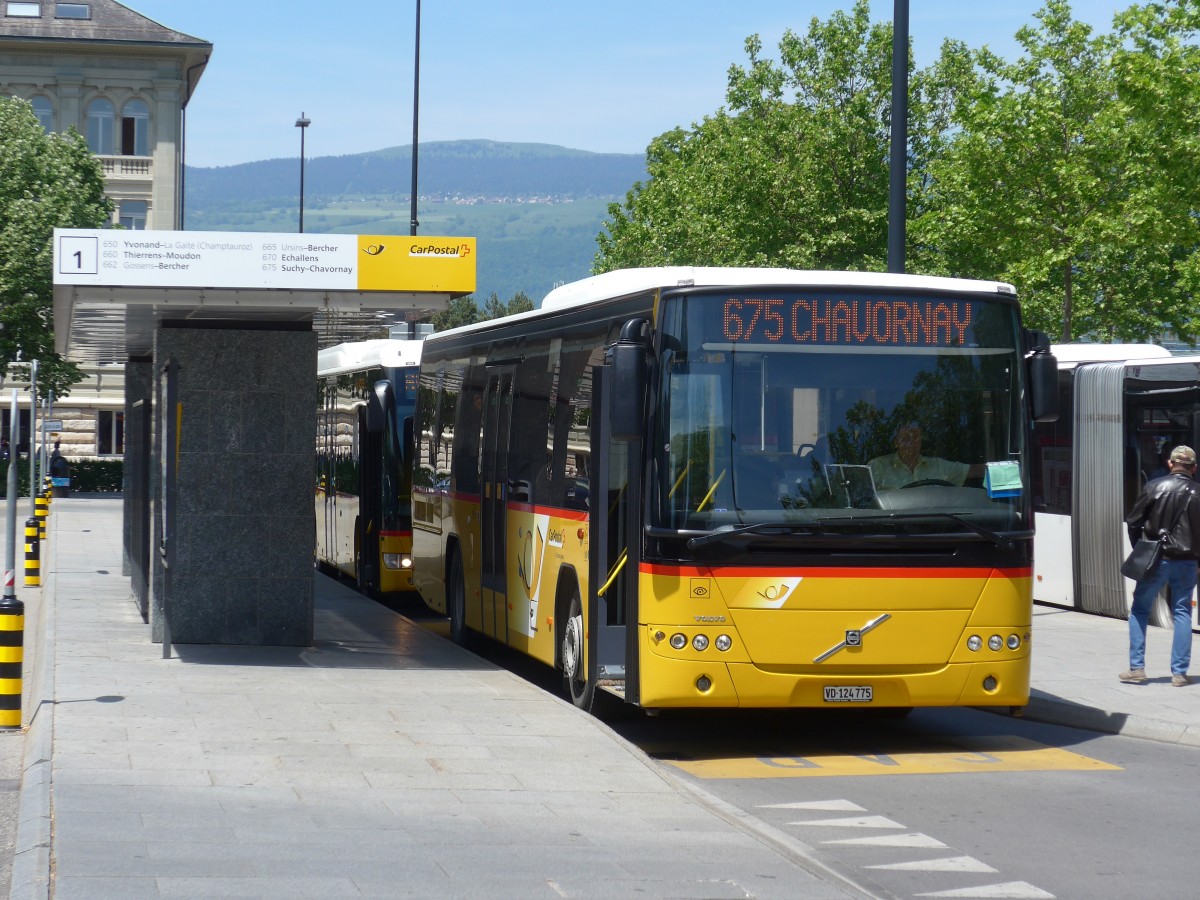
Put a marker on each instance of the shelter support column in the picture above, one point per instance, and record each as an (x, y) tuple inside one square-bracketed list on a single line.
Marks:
[(243, 539)]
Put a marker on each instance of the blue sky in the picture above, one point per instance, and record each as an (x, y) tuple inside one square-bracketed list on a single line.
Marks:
[(604, 77)]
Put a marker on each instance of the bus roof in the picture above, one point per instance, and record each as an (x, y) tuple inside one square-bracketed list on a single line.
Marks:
[(361, 355), (1070, 355), (625, 282)]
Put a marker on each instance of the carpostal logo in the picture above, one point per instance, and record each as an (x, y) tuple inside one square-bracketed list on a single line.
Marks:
[(440, 251)]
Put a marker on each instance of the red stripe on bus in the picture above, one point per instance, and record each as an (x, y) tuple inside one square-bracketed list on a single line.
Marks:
[(576, 515), (401, 534), (831, 571)]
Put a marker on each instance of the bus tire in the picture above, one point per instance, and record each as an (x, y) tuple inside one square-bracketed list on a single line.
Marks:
[(456, 602), (1160, 609), (580, 688)]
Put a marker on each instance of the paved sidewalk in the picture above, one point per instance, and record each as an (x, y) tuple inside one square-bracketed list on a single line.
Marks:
[(384, 761), (1076, 658)]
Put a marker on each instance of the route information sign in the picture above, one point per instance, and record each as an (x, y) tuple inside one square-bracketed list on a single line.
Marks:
[(221, 259)]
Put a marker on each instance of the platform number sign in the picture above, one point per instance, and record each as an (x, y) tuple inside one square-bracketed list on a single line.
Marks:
[(78, 255)]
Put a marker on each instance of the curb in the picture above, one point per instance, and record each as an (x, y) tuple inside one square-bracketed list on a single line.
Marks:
[(1053, 711), (31, 860)]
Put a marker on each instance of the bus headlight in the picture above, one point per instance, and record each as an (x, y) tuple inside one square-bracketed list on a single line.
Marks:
[(723, 642), (700, 642), (995, 642), (974, 642), (1014, 641), (678, 641), (397, 561)]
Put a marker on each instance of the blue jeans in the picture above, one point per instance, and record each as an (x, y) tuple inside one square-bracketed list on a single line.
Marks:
[(1180, 574)]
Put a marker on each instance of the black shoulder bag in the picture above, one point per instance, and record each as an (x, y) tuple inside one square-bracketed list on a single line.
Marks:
[(1146, 554)]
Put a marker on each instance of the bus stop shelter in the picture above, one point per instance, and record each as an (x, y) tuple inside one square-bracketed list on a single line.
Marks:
[(218, 333)]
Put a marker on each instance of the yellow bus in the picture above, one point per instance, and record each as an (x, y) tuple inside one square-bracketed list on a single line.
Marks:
[(678, 486), (366, 393)]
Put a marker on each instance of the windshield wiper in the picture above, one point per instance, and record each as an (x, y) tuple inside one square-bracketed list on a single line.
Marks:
[(817, 527), (714, 536), (996, 538)]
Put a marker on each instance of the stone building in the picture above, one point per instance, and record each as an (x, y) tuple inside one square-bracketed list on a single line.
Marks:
[(123, 81)]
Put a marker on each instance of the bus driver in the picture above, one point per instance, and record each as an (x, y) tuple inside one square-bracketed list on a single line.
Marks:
[(907, 466)]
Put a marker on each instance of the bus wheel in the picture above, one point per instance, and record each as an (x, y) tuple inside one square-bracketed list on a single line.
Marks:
[(457, 591), (1160, 610), (581, 690)]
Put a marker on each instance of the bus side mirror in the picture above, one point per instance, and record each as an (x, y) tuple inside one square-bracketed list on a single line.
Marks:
[(408, 450), (1043, 386), (378, 404), (628, 358)]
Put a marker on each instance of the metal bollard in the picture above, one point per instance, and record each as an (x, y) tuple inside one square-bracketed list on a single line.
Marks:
[(33, 554), (12, 654)]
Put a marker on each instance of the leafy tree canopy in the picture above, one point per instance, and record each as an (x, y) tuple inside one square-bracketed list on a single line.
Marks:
[(1073, 172), (47, 181), (464, 311)]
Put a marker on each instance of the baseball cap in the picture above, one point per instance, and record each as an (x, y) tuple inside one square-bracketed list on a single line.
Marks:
[(1184, 455)]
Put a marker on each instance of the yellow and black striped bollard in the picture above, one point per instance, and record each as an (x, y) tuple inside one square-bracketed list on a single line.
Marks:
[(33, 554), (41, 509), (12, 653)]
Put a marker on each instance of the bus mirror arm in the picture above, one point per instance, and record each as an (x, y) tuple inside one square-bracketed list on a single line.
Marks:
[(408, 449), (629, 358), (1042, 369), (378, 403)]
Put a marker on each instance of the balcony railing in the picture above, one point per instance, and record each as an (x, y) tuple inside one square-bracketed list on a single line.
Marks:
[(128, 167)]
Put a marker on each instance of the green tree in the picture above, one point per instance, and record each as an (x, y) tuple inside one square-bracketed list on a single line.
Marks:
[(47, 181), (794, 170), (1073, 174), (460, 311), (495, 308)]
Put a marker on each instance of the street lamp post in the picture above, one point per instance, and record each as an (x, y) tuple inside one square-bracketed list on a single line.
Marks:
[(302, 123), (898, 177), (412, 216)]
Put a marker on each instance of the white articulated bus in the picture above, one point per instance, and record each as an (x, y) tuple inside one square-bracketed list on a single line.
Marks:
[(1123, 407)]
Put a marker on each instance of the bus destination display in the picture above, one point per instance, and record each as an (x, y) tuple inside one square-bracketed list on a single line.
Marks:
[(863, 321)]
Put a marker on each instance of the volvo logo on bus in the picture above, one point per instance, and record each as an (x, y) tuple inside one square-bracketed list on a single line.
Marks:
[(853, 638)]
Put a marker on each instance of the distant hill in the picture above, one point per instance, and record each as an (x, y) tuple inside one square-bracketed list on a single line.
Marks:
[(535, 208)]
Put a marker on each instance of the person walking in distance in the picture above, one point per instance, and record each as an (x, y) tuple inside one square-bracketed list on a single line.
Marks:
[(1168, 509)]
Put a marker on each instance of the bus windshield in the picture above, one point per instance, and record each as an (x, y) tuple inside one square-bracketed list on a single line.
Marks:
[(839, 412)]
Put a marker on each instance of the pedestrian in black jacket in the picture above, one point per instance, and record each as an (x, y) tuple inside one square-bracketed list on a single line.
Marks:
[(1168, 509)]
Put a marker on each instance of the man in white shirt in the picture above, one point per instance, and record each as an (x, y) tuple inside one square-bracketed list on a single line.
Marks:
[(907, 465)]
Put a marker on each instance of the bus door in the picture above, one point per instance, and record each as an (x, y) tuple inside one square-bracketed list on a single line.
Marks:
[(615, 551), (497, 417)]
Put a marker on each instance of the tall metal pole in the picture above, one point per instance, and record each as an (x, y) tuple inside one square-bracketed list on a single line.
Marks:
[(33, 433), (412, 216), (302, 123), (10, 543), (898, 186)]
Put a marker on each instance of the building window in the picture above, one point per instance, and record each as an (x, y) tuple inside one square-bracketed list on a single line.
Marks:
[(6, 429), (44, 110), (133, 214), (135, 129), (100, 126), (24, 10), (110, 433), (72, 11)]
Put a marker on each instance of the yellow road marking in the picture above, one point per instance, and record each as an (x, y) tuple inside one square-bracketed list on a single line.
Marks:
[(965, 754)]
